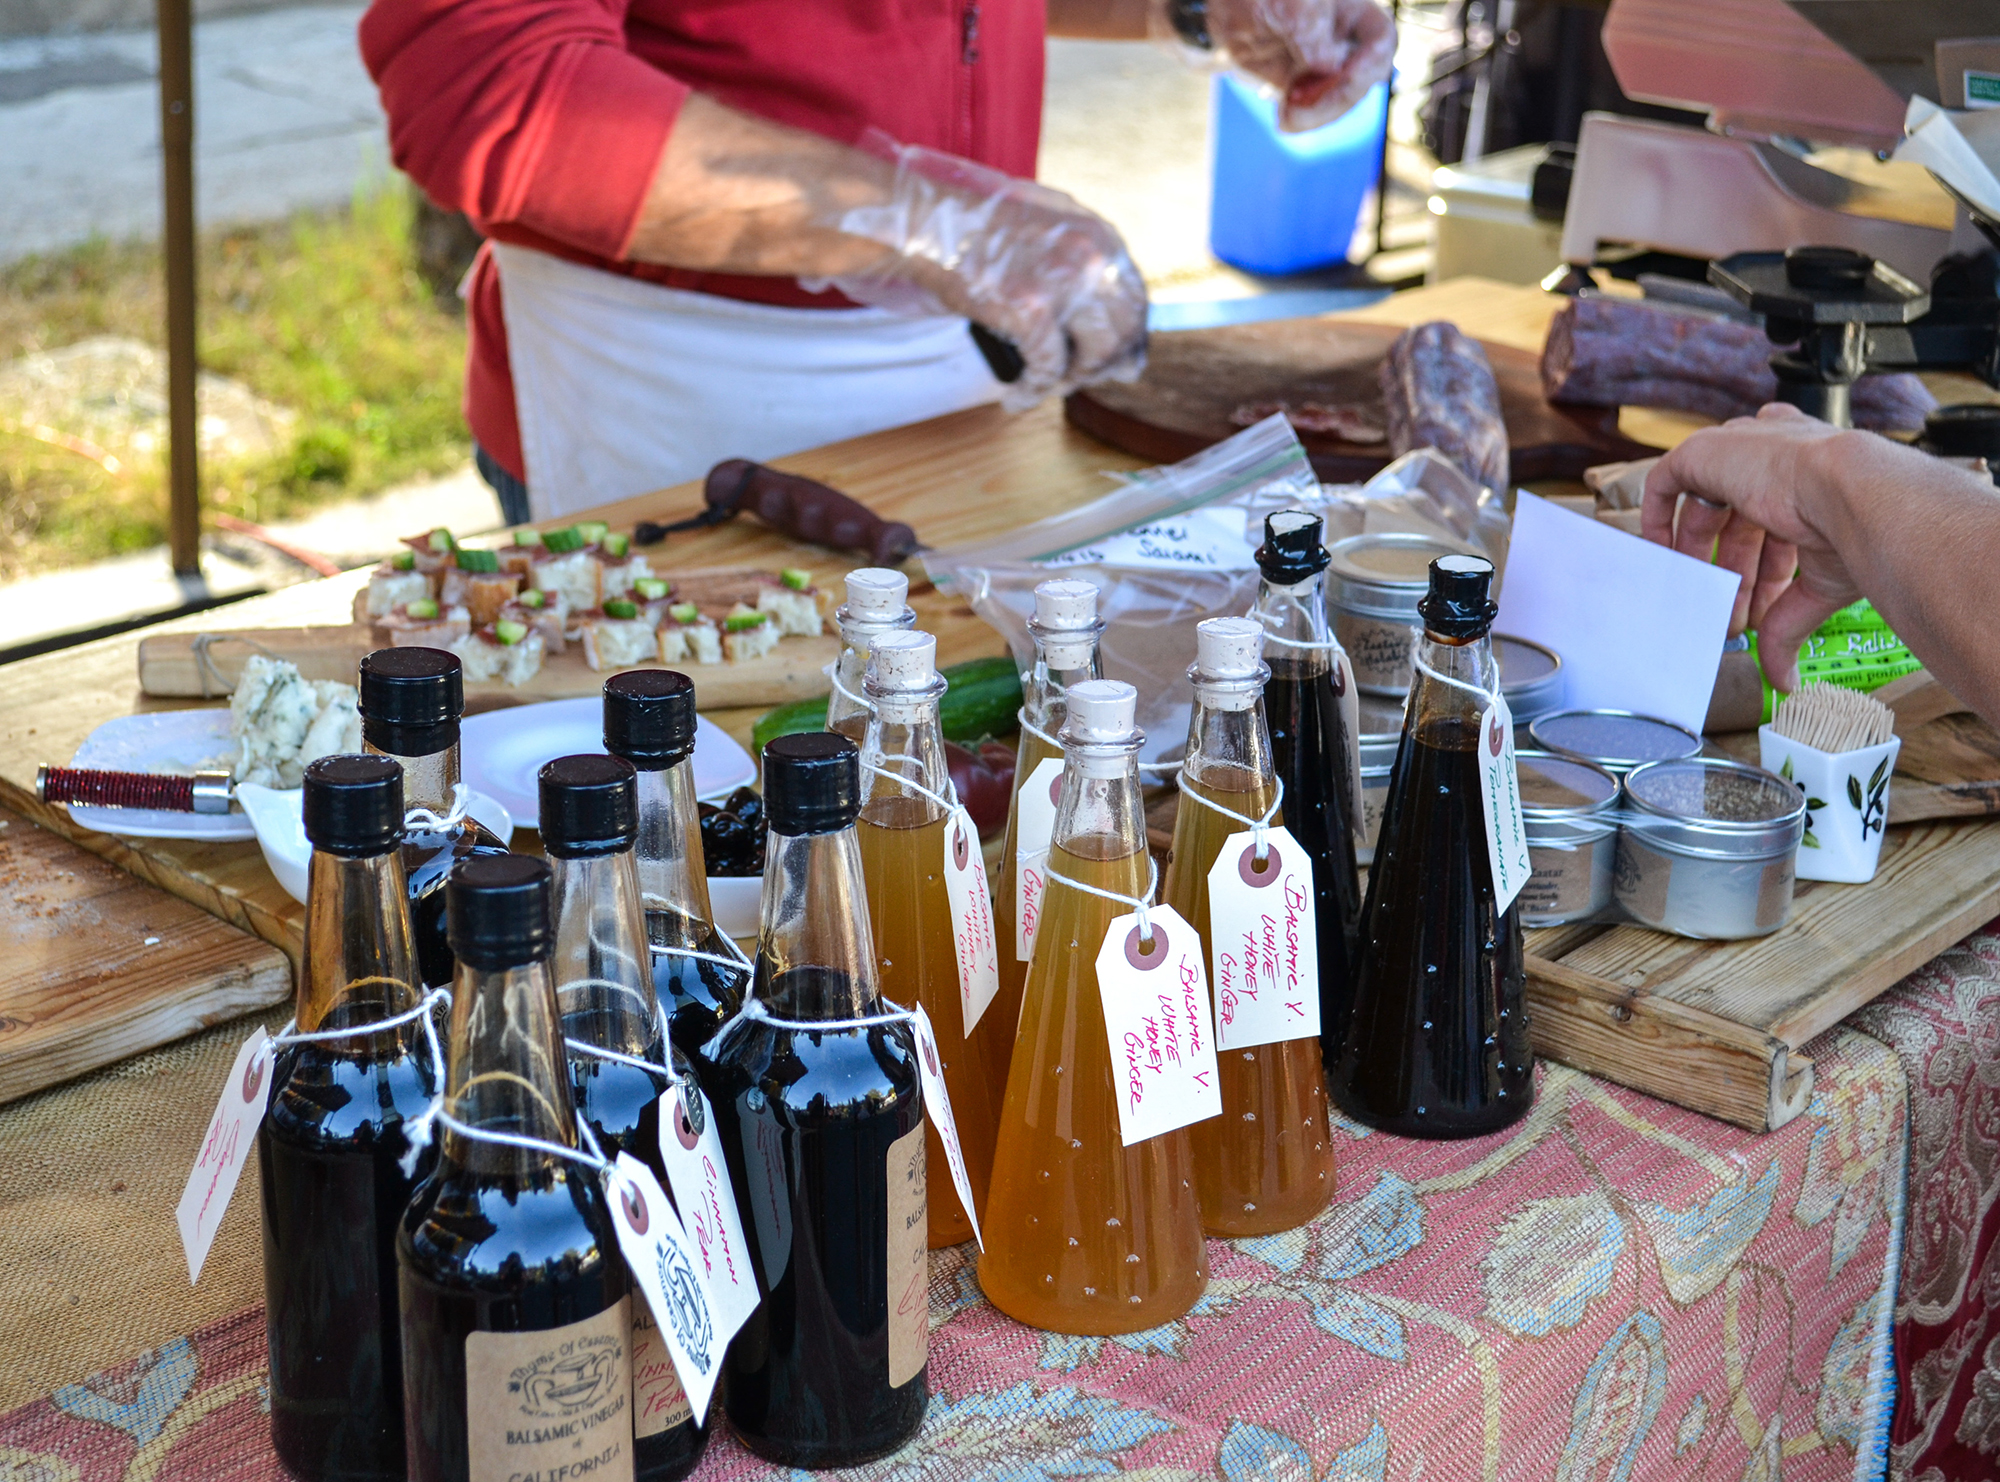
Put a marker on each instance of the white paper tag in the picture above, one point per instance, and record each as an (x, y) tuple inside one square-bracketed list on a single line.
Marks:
[(1034, 831), (691, 1151), (656, 1248), (225, 1148), (1349, 696), (1500, 795), (1261, 929), (971, 918), (937, 1105), (1156, 1016)]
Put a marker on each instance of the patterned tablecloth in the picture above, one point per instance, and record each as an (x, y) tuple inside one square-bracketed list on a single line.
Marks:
[(1615, 1289)]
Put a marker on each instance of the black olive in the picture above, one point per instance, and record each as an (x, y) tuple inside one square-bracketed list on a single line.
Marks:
[(747, 806)]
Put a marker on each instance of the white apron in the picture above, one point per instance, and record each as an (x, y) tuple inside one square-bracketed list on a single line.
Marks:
[(622, 387)]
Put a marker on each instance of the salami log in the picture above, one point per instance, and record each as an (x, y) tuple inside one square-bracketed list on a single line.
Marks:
[(1438, 392), (1609, 352)]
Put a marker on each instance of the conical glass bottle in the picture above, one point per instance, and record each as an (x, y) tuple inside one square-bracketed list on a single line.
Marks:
[(823, 1131), (604, 992), (877, 602), (1437, 1045), (411, 701), (649, 719), (516, 1302), (902, 834), (1083, 1234), (330, 1149), (1265, 1164), (1309, 746), (1065, 630)]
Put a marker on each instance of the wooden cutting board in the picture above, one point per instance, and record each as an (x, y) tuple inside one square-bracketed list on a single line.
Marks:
[(1196, 378), (96, 965), (197, 665)]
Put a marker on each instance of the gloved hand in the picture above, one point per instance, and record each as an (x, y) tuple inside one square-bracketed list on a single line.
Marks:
[(1027, 262), (1322, 55)]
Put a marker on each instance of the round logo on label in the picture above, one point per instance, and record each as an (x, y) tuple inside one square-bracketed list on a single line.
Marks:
[(253, 1078), (687, 1309), (1146, 956), (688, 1120), (636, 1214), (1496, 736), (959, 851), (1256, 875), (930, 1055), (1055, 789)]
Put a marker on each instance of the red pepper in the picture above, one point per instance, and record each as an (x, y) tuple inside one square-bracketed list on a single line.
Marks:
[(985, 782)]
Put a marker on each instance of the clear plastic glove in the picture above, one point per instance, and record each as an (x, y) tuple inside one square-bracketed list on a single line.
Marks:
[(1321, 55), (1027, 262)]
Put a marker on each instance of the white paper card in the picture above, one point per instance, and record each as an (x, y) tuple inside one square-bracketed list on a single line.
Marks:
[(1500, 796), (1349, 695), (656, 1248), (225, 1148), (1206, 539), (1262, 932), (971, 918), (937, 1103), (692, 1154), (1034, 831), (1639, 627), (1157, 1017)]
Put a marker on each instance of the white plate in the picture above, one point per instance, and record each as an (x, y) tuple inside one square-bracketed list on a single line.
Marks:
[(505, 749), (161, 741)]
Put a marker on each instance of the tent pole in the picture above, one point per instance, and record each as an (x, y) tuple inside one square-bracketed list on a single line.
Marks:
[(177, 180)]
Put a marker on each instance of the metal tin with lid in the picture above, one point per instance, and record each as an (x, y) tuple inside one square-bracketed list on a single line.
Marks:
[(1617, 740), (1380, 734), (1531, 676), (1708, 847), (1570, 810), (1373, 585)]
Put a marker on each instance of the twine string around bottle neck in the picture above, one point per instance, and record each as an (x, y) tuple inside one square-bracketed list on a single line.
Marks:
[(1259, 827), (445, 822), (947, 800), (1328, 644), (737, 958), (1141, 908), (1491, 697), (832, 672), (1055, 743), (421, 1015)]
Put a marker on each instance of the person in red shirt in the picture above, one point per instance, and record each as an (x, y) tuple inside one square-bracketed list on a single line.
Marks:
[(745, 227)]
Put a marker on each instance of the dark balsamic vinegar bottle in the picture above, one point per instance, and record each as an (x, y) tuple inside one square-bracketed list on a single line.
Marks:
[(604, 991), (823, 1132), (516, 1302), (411, 701), (649, 719), (329, 1152), (1309, 745), (1437, 1045)]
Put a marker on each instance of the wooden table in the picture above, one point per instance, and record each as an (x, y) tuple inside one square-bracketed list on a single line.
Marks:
[(1714, 1026)]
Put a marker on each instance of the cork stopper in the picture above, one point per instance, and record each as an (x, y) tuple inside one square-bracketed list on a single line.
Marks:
[(1065, 605), (1229, 648), (876, 594), (903, 660), (1101, 712)]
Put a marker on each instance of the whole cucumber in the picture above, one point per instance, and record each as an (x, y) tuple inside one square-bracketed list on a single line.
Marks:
[(981, 699)]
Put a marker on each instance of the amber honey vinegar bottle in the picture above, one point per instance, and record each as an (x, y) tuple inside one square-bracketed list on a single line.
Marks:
[(411, 701), (329, 1152), (649, 720), (903, 841), (1310, 745), (604, 992), (1265, 1164), (1083, 1234), (823, 1131), (1437, 1045), (877, 602), (1064, 630), (517, 1319)]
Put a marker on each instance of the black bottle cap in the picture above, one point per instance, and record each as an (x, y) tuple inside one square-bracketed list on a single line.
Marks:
[(354, 805), (411, 699), (812, 783), (590, 805), (1457, 605), (497, 911), (1291, 551), (649, 717)]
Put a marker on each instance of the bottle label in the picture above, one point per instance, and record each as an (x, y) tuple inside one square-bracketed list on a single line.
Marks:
[(1034, 831), (909, 1283), (769, 1193), (971, 918), (225, 1148), (1156, 1017), (553, 1403), (658, 1401), (1349, 695), (1500, 795), (937, 1106), (663, 1262), (691, 1150), (1263, 932)]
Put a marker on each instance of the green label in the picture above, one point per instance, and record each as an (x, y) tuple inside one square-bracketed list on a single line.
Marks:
[(1982, 89)]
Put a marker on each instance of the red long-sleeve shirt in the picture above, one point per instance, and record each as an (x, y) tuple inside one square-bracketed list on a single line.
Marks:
[(543, 120)]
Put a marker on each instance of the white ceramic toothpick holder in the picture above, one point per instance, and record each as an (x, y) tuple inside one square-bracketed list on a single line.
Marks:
[(1847, 803)]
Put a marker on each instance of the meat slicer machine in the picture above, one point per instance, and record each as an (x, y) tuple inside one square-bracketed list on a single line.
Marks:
[(1849, 277)]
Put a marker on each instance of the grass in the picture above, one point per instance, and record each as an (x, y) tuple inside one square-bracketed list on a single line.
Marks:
[(323, 314)]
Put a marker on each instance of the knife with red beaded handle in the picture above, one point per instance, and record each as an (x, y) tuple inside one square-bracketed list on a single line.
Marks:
[(88, 787)]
